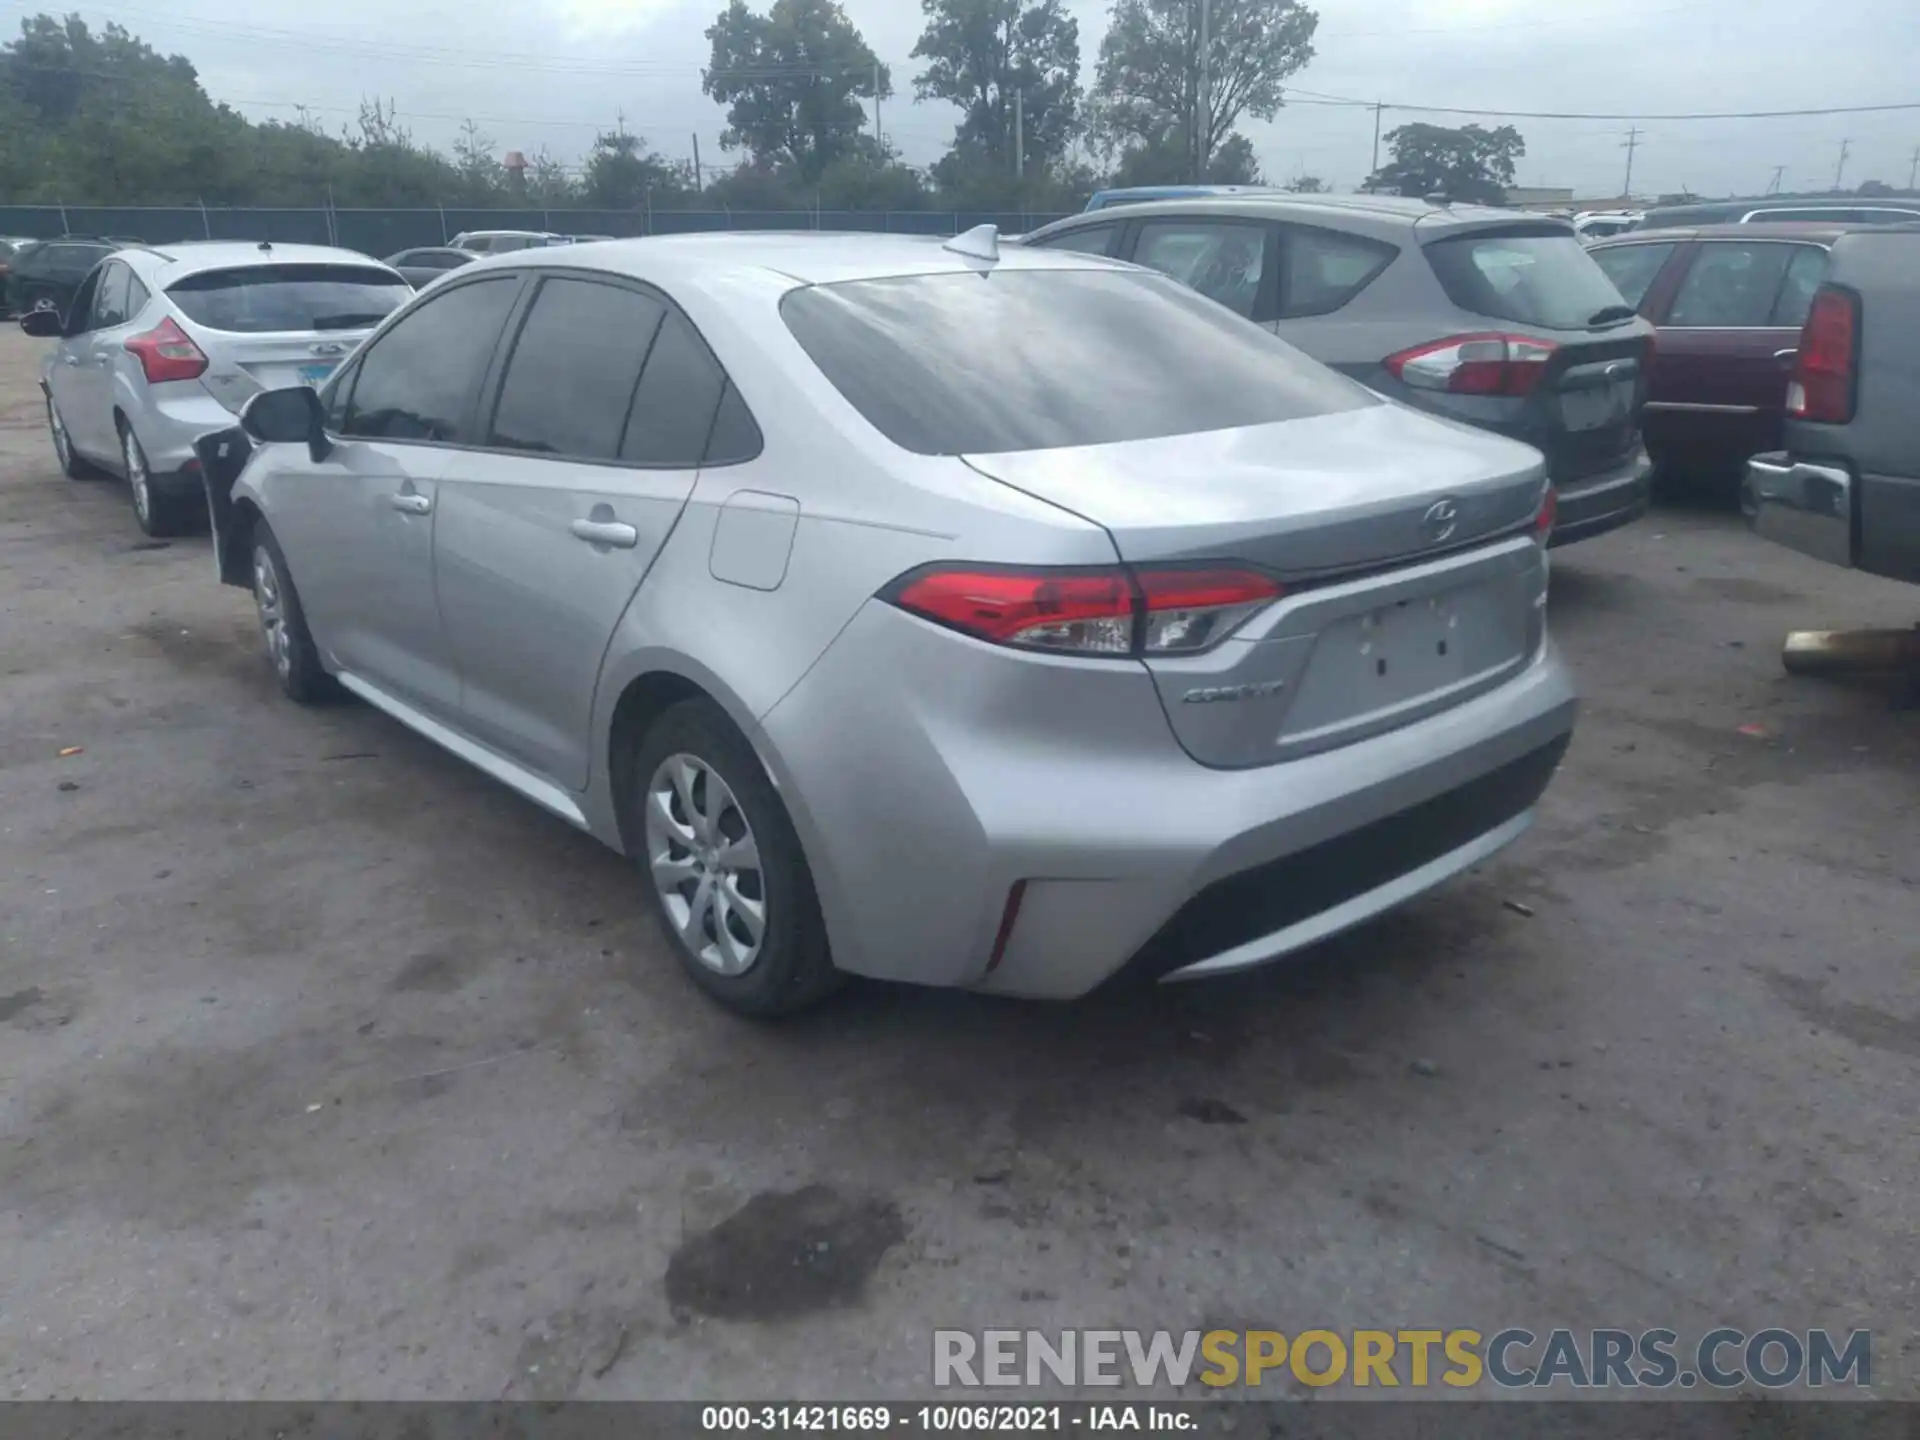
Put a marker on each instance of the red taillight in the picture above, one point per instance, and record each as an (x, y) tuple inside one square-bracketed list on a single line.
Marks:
[(166, 353), (1087, 612), (1543, 517), (1474, 364), (1822, 388)]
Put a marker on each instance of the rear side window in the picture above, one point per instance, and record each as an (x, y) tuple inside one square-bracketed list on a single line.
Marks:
[(1632, 268), (679, 396), (570, 382), (1731, 285), (1544, 278), (1038, 359), (418, 381), (1223, 261), (1805, 272), (1088, 240), (1321, 270), (260, 299)]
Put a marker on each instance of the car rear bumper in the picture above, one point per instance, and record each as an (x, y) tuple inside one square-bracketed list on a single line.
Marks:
[(1595, 504), (1799, 504), (968, 827), (173, 417)]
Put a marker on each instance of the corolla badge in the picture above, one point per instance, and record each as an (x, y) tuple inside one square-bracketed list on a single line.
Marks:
[(1442, 517), (1213, 694)]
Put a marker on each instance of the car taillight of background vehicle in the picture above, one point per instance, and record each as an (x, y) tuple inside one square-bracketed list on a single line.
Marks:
[(1099, 612), (166, 353), (1824, 372), (1474, 364), (1544, 517)]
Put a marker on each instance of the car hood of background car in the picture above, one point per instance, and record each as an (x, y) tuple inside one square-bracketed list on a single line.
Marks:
[(1299, 497)]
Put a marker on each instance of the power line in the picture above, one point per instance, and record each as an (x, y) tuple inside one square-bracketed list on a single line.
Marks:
[(1313, 97)]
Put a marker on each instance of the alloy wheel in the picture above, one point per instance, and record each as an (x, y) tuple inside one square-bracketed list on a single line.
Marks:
[(705, 864), (268, 600), (62, 446), (137, 476)]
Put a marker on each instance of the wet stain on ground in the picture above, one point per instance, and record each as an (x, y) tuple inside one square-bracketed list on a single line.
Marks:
[(433, 972), (1862, 1024), (1209, 1111), (785, 1253), (19, 1001), (1743, 590)]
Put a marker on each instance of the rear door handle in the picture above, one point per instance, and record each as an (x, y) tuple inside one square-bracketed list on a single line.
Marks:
[(606, 532), (411, 504)]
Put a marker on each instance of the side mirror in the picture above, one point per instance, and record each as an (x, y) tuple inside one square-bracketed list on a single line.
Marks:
[(287, 416), (43, 324)]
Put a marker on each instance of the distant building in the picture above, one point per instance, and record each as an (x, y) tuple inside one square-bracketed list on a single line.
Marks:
[(1534, 197)]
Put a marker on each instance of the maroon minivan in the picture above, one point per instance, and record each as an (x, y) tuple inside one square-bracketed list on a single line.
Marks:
[(1728, 301)]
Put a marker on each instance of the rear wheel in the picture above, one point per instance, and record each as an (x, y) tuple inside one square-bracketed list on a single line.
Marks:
[(724, 866), (159, 513)]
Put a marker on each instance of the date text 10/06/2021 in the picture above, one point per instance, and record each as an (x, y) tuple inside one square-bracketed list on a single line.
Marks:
[(945, 1419)]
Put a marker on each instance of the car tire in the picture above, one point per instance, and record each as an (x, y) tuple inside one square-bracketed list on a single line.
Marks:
[(283, 624), (720, 855), (159, 515), (71, 465)]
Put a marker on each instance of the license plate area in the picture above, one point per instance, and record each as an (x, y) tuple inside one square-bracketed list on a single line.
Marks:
[(1597, 407)]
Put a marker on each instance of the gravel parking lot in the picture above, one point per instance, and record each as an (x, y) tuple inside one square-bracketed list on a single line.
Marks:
[(328, 1067)]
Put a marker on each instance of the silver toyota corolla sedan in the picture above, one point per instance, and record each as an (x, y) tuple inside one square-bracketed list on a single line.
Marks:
[(1004, 619), (163, 342)]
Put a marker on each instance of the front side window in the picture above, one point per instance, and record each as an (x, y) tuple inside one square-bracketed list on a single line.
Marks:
[(1731, 285), (570, 381), (955, 364), (1632, 268), (110, 297), (418, 381), (1223, 261)]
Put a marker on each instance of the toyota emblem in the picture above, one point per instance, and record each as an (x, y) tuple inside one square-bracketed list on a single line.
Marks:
[(1440, 520)]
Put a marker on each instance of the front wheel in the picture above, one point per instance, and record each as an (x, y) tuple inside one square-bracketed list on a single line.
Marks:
[(724, 866), (71, 465), (283, 625)]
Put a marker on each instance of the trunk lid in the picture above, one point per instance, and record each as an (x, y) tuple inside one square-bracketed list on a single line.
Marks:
[(1590, 398), (240, 366), (1413, 580)]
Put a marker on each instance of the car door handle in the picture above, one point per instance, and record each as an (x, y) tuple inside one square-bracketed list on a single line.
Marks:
[(103, 360), (1786, 356), (73, 360), (411, 504), (606, 532)]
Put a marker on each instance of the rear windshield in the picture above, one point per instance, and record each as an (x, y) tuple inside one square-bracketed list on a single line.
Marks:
[(1039, 359), (262, 298), (1545, 279)]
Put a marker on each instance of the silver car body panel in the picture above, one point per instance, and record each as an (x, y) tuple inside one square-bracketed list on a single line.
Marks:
[(926, 772)]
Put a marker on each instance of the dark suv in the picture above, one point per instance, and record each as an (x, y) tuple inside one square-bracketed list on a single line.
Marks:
[(1485, 316), (44, 275)]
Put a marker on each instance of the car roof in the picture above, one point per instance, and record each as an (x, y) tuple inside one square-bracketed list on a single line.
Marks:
[(711, 261), (1385, 213), (191, 257), (1820, 230)]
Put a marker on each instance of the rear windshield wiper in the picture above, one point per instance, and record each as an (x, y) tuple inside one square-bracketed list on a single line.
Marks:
[(1608, 313), (351, 320)]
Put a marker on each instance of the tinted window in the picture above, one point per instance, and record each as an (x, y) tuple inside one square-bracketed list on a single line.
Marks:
[(1223, 262), (674, 407), (1321, 270), (1032, 360), (1731, 285), (735, 436), (570, 382), (1805, 271), (1535, 278), (1092, 240), (110, 297), (418, 380), (72, 260), (1631, 268), (137, 295), (442, 259), (263, 298)]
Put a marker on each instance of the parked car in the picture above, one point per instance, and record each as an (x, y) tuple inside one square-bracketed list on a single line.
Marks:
[(1140, 194), (497, 242), (8, 245), (427, 264), (1484, 316), (1598, 224), (900, 614), (1750, 212), (43, 275), (1729, 301), (161, 345), (589, 239), (1845, 484)]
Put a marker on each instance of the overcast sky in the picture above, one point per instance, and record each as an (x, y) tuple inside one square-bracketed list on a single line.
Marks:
[(552, 72)]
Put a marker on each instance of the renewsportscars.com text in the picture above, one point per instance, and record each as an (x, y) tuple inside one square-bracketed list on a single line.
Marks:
[(1722, 1359)]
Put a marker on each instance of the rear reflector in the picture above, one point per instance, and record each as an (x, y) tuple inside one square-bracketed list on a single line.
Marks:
[(1544, 517), (1824, 372), (1474, 364), (1110, 612), (166, 353)]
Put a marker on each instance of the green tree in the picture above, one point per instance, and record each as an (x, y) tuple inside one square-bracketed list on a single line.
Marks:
[(549, 184), (624, 174), (982, 54), (1147, 86), (1470, 164), (792, 81), (1168, 160), (483, 179), (1307, 185)]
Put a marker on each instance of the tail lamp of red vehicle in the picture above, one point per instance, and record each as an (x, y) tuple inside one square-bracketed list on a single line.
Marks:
[(166, 352), (1544, 517), (1826, 371), (1474, 365), (1115, 612)]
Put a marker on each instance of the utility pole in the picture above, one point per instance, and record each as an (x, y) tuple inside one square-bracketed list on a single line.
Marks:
[(699, 175), (1630, 144), (1377, 108), (876, 103), (1019, 136), (1203, 119), (1839, 169), (1913, 170), (1773, 185)]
